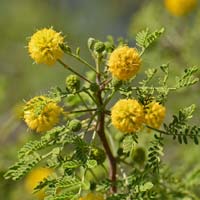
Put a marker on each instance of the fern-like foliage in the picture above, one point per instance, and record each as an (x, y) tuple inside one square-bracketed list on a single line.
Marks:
[(188, 78), (46, 140), (29, 155), (129, 143), (22, 167), (155, 152), (180, 129), (145, 38)]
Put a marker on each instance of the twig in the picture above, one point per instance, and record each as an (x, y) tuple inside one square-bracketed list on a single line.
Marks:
[(82, 61), (70, 69)]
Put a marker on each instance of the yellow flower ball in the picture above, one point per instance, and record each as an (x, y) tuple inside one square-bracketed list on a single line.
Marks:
[(44, 46), (41, 113), (124, 62), (93, 196), (154, 114), (180, 7), (127, 115), (34, 178)]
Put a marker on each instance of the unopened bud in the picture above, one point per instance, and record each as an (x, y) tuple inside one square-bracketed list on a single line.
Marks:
[(72, 83), (75, 125), (99, 47), (98, 155), (139, 155), (94, 87)]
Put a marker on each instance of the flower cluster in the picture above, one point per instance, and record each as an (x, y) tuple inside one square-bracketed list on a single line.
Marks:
[(34, 178), (180, 7), (154, 114), (41, 113), (128, 115), (72, 83), (44, 46), (124, 62)]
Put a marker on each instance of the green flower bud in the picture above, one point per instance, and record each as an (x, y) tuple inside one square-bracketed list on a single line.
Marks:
[(99, 47), (72, 83), (75, 125), (65, 48), (98, 155), (94, 87), (139, 155)]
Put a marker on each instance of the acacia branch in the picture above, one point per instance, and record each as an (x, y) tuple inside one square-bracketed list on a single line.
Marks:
[(102, 136)]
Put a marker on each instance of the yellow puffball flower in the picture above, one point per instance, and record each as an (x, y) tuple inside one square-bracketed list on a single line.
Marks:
[(154, 114), (34, 178), (127, 115), (93, 196), (180, 7), (41, 113), (44, 46), (124, 62)]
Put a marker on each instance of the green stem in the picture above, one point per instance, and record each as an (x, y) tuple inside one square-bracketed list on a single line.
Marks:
[(81, 98), (146, 87), (82, 61), (97, 61), (142, 52), (109, 98), (70, 69), (167, 133), (88, 93), (78, 111)]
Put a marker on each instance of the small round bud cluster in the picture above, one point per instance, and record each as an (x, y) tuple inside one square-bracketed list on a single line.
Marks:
[(98, 155), (124, 62), (154, 114), (180, 7), (99, 47), (75, 125), (139, 155), (72, 83), (127, 115), (92, 196), (94, 87), (41, 113), (44, 46)]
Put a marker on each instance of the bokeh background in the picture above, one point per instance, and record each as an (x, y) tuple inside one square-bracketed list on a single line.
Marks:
[(21, 79)]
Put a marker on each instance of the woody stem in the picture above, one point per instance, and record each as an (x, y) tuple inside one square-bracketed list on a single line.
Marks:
[(102, 136)]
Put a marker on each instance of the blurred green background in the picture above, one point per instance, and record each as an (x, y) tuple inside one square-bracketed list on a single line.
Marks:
[(77, 19)]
